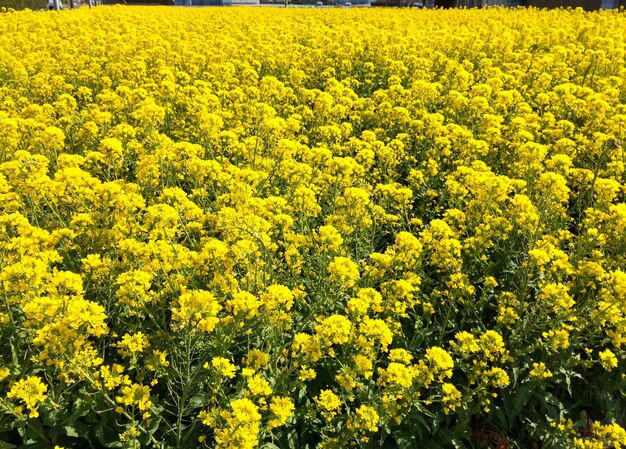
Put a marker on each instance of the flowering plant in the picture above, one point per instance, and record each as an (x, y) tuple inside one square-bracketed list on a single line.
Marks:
[(311, 228)]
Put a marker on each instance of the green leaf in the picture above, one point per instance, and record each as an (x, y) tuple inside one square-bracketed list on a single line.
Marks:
[(81, 408), (71, 431), (269, 445), (36, 445), (4, 445), (520, 399), (292, 439), (405, 441), (108, 438), (34, 429), (429, 444)]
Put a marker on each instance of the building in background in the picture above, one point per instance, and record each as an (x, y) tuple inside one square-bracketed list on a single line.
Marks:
[(476, 3), (481, 3), (216, 2), (589, 5)]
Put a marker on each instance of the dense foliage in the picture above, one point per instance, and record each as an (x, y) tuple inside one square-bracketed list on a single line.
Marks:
[(242, 228)]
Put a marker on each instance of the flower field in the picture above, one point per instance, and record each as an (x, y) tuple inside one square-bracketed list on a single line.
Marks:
[(291, 229)]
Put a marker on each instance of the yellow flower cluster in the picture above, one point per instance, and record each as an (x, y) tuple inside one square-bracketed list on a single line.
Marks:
[(31, 391), (242, 228)]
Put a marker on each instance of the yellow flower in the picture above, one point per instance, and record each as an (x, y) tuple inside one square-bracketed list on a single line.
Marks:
[(466, 343), (31, 391), (492, 345), (4, 373), (244, 303), (329, 401), (111, 376), (276, 296), (497, 377), (305, 374), (400, 355), (282, 408), (372, 330), (197, 309), (135, 395), (336, 329), (242, 426), (344, 271), (223, 366), (556, 296), (608, 359), (451, 397), (133, 344), (365, 419), (259, 386), (329, 238), (540, 371), (398, 374), (441, 362), (314, 202)]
